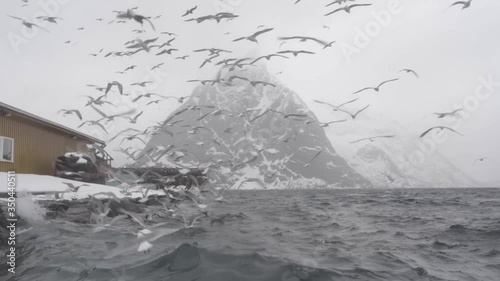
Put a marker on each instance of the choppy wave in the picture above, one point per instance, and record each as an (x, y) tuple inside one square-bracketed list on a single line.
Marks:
[(283, 236)]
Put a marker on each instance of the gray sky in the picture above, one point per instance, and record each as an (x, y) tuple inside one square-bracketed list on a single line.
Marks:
[(448, 47)]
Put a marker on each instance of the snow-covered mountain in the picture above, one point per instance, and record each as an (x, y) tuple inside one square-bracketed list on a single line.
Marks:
[(237, 127), (402, 161)]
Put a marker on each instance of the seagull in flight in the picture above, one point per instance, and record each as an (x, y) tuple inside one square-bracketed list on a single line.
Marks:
[(376, 89), (324, 125), (336, 107), (440, 128), (49, 19), (129, 14), (353, 116), (268, 57), (253, 37), (338, 2), (134, 120), (314, 157), (142, 84), (465, 4), (347, 9), (305, 39), (114, 83), (296, 53), (372, 139), (410, 71), (70, 112), (169, 51), (453, 113), (28, 24), (480, 160), (94, 123), (73, 187), (190, 11)]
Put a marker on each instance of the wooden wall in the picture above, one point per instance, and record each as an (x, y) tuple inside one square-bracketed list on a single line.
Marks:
[(36, 146)]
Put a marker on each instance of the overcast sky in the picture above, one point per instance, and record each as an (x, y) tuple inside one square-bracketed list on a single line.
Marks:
[(450, 48)]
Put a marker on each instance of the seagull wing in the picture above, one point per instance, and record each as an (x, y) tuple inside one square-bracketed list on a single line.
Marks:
[(361, 110), (334, 11), (239, 39), (325, 103), (99, 111), (261, 32), (16, 18), (120, 87), (348, 102), (108, 88), (102, 127), (448, 128), (364, 89), (388, 81)]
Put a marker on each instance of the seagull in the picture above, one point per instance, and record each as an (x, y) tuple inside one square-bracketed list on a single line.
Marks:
[(169, 51), (164, 44), (182, 58), (338, 2), (347, 9), (142, 84), (70, 112), (295, 53), (141, 44), (335, 107), (305, 39), (314, 157), (253, 37), (268, 57), (465, 4), (440, 128), (112, 117), (134, 120), (132, 15), (154, 101), (114, 83), (132, 67), (353, 116), (255, 83), (97, 101), (372, 139), (157, 66), (453, 113), (168, 33), (410, 71), (212, 51), (132, 138), (377, 89), (324, 125), (389, 178), (190, 11), (287, 115), (256, 180), (28, 24), (74, 188), (94, 123), (480, 160), (49, 19)]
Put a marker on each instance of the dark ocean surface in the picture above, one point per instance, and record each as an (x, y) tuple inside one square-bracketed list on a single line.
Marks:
[(283, 235)]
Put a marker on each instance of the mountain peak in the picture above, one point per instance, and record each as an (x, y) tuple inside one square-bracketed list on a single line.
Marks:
[(252, 125)]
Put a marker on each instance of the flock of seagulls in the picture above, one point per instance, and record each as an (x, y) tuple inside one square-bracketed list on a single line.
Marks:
[(217, 57)]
